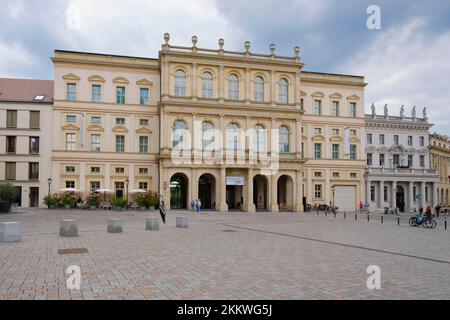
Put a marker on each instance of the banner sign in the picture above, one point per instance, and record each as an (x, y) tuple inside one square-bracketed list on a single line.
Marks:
[(235, 181)]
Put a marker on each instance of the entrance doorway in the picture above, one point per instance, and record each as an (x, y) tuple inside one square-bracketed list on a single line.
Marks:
[(34, 197), (285, 193), (18, 196), (400, 198), (234, 197), (207, 191), (260, 193), (178, 191)]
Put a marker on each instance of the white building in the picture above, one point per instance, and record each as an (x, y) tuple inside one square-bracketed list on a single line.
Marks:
[(398, 173)]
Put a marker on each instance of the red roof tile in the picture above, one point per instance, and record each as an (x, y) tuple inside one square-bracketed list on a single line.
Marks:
[(24, 90)]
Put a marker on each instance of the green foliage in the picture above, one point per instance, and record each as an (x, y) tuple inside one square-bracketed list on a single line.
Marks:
[(118, 202), (51, 200), (68, 199), (7, 193), (93, 200), (147, 200)]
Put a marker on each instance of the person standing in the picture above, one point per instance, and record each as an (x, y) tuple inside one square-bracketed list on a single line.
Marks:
[(196, 206), (199, 205), (193, 205)]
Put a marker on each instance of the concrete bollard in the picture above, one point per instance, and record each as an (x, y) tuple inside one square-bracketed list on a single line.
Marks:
[(68, 228), (115, 225), (152, 224), (10, 231), (182, 222)]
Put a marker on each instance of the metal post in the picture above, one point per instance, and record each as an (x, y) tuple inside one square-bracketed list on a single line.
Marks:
[(382, 219), (368, 218), (345, 216), (398, 221), (356, 217), (445, 223)]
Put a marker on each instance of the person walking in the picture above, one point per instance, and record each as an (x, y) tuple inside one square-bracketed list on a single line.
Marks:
[(196, 206), (445, 212), (193, 205), (199, 205), (438, 210)]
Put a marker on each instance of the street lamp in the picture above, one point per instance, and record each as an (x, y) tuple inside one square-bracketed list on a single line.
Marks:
[(49, 185), (333, 189), (127, 181)]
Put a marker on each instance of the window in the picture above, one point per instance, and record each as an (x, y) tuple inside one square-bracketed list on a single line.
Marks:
[(353, 109), (410, 160), (369, 159), (34, 145), (317, 150), (396, 140), (382, 139), (71, 91), (353, 175), (335, 151), (259, 89), (426, 195), (318, 191), (71, 119), (143, 144), (302, 106), (259, 139), (233, 87), (35, 119), (120, 95), (11, 145), (95, 142), (335, 132), (369, 138), (422, 141), (284, 139), (335, 109), (120, 143), (96, 120), (207, 85), (96, 93), (318, 174), (317, 107), (353, 152), (70, 169), (352, 132), (95, 169), (317, 130), (385, 193), (143, 170), (33, 171), (396, 160), (143, 122), (144, 95), (283, 94), (382, 159), (95, 185), (410, 141), (10, 171), (180, 83), (70, 184), (143, 186), (233, 137), (71, 143), (120, 170), (207, 136), (336, 175), (372, 193), (179, 135), (422, 161), (11, 119), (120, 121)]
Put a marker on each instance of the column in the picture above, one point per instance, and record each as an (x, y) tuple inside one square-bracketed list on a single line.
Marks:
[(422, 192), (222, 187), (394, 194), (273, 89), (82, 187), (381, 195), (249, 205), (193, 186), (368, 193), (298, 195), (411, 195), (327, 192), (435, 195), (247, 91), (309, 187), (222, 83), (297, 139), (223, 143), (273, 193), (194, 92)]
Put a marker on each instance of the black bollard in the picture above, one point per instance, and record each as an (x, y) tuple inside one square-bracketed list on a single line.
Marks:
[(345, 216), (356, 217), (382, 219), (398, 221), (368, 218), (445, 223)]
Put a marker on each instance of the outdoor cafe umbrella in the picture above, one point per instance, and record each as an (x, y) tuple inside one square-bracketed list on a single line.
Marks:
[(104, 191), (137, 191), (70, 190)]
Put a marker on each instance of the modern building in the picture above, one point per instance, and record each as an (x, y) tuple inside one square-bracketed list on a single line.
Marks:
[(26, 138), (440, 161), (398, 161)]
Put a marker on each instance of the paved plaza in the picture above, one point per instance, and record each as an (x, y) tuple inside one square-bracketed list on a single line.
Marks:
[(225, 256)]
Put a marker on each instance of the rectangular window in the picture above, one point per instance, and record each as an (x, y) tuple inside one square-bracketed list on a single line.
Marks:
[(11, 145), (96, 93), (71, 91), (317, 150), (336, 174), (369, 138), (335, 108), (410, 141), (382, 139), (35, 122), (353, 175), (120, 170), (95, 169), (335, 132), (96, 120), (70, 184), (120, 121), (71, 119), (144, 95), (353, 152), (70, 169), (33, 171), (317, 130), (143, 122), (410, 161), (120, 95), (10, 171), (71, 143), (317, 107), (422, 141), (120, 143), (382, 159), (426, 195), (318, 191), (11, 119), (372, 193), (396, 140), (95, 142), (422, 161), (385, 193), (396, 160), (143, 144), (34, 145), (302, 106), (335, 151), (352, 132), (143, 186), (318, 174), (369, 159), (95, 185), (353, 109), (143, 170)]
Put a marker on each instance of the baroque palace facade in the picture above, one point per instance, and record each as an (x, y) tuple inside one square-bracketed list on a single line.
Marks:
[(440, 161)]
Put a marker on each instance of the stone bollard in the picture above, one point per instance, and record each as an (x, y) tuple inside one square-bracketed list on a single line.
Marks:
[(68, 228), (115, 225), (152, 224), (182, 222), (10, 231)]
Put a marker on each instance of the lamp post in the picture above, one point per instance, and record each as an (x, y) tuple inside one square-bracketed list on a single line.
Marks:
[(128, 182), (333, 189), (49, 181)]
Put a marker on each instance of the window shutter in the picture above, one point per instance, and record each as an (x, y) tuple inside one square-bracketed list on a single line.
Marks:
[(34, 120)]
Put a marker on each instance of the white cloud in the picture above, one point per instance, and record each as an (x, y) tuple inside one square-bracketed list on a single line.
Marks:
[(406, 65), (14, 59)]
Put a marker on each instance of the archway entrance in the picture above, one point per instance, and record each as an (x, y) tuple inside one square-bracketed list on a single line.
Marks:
[(207, 191), (260, 193), (285, 193), (400, 197), (178, 191)]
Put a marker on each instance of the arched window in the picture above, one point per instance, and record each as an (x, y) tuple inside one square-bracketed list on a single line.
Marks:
[(259, 139), (233, 137), (283, 94), (207, 85), (259, 89), (284, 139), (207, 136), (180, 83), (233, 87), (179, 135)]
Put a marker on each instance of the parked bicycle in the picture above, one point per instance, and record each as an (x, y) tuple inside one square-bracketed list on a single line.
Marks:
[(424, 221)]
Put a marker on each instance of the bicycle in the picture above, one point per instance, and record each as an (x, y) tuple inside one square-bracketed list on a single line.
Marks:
[(424, 221)]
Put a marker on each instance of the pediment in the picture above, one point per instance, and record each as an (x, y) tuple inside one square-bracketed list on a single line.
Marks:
[(96, 78), (318, 94), (336, 138), (318, 137), (304, 137), (121, 80), (144, 130), (95, 128), (71, 76), (303, 93), (144, 82), (398, 149), (383, 149), (336, 96), (70, 127), (120, 129), (353, 97), (354, 139)]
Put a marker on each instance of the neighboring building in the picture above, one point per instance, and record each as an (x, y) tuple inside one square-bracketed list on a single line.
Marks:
[(105, 123), (26, 138), (398, 173), (333, 127), (440, 161)]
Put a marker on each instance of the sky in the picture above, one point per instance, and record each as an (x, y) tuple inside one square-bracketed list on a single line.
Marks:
[(405, 62)]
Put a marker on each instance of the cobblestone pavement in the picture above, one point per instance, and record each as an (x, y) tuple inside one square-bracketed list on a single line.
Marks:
[(226, 256)]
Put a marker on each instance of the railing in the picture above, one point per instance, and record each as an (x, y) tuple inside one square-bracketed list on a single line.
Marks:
[(401, 170)]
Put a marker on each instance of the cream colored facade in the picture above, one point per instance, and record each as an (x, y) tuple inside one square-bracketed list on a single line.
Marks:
[(440, 161)]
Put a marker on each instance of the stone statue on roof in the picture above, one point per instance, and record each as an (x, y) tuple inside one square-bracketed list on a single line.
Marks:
[(373, 110), (413, 112), (402, 112), (386, 111), (425, 116)]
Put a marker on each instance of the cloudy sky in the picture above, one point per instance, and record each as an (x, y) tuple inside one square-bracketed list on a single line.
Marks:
[(406, 62)]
